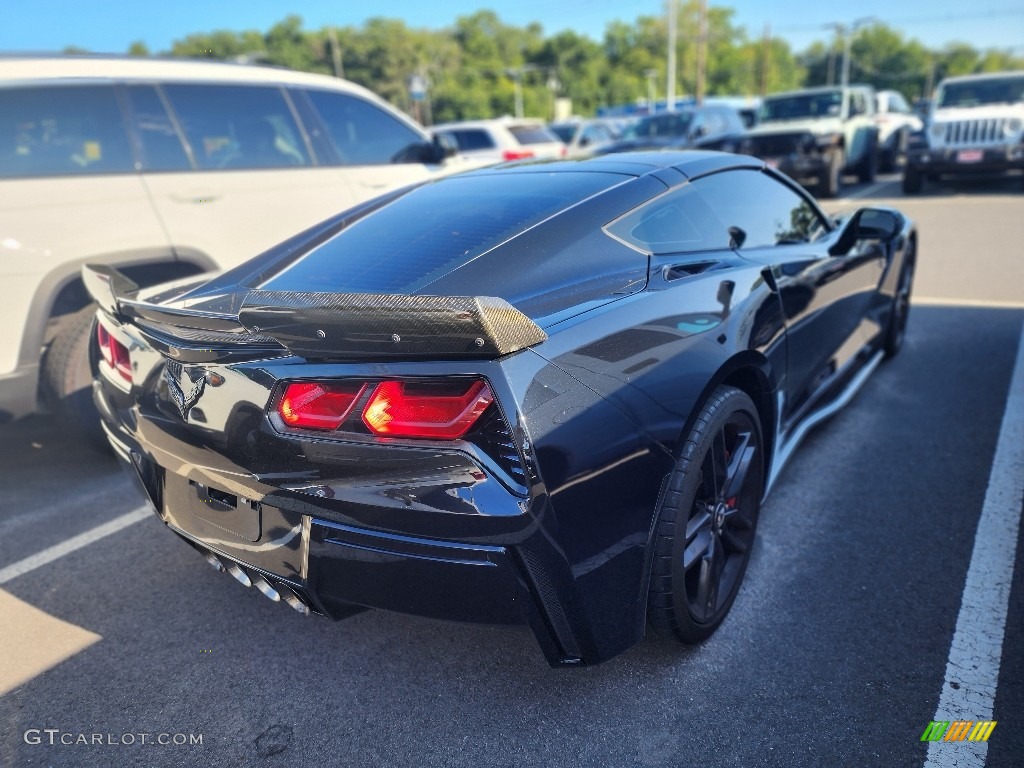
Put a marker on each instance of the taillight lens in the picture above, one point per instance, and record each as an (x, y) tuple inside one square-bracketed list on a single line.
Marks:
[(517, 154), (114, 352), (443, 410), (318, 405)]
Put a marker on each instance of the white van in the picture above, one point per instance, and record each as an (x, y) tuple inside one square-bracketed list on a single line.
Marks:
[(166, 168)]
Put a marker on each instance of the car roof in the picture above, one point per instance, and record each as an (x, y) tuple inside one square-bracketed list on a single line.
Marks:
[(817, 89), (505, 122), (688, 162), (23, 67), (982, 76)]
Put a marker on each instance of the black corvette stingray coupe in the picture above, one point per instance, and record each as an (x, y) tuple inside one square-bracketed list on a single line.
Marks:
[(553, 394)]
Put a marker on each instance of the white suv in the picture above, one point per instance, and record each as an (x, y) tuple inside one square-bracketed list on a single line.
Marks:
[(165, 169), (975, 126), (896, 121), (503, 139)]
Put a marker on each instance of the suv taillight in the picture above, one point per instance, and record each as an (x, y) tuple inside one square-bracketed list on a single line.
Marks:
[(516, 154)]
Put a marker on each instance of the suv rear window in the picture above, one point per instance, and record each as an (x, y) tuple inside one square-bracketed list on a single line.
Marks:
[(434, 229), (532, 134), (468, 138), (62, 130)]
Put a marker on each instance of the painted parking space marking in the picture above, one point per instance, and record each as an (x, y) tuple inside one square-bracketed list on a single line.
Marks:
[(84, 539), (972, 671)]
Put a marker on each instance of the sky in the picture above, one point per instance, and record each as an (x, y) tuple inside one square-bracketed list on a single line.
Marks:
[(110, 26)]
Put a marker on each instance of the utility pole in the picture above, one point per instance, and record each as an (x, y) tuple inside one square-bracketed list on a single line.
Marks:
[(652, 77), (332, 39), (670, 86), (702, 52), (766, 59)]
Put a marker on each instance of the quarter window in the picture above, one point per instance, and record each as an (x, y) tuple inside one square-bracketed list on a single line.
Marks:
[(364, 134), (62, 130), (766, 211), (235, 127), (676, 222)]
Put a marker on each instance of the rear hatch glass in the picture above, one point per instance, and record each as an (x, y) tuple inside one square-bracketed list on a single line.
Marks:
[(533, 134), (434, 229)]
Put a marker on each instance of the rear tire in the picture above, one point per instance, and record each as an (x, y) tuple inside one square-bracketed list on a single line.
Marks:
[(829, 185), (912, 181), (67, 377), (867, 170), (707, 519)]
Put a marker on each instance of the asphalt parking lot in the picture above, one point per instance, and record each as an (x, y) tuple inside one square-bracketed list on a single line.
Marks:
[(835, 653)]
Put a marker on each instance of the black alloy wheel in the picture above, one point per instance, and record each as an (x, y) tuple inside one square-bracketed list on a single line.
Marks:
[(900, 312), (708, 519)]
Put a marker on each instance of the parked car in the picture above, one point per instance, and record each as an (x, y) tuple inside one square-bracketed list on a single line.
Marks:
[(896, 121), (976, 126), (503, 139), (165, 169), (708, 127), (818, 134), (583, 138), (546, 393)]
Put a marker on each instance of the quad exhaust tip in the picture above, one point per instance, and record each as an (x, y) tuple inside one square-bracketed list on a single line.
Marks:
[(263, 586), (242, 576), (214, 561), (275, 592)]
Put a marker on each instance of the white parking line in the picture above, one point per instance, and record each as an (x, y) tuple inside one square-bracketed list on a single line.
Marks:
[(57, 551), (869, 191), (942, 301), (972, 671)]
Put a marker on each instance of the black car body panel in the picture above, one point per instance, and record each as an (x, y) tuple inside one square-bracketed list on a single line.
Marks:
[(543, 512)]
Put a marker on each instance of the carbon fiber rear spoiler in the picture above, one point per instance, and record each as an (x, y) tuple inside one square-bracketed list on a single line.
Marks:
[(107, 286), (385, 326)]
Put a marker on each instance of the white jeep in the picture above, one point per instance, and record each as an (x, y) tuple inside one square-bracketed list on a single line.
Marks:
[(818, 134), (165, 169), (975, 127)]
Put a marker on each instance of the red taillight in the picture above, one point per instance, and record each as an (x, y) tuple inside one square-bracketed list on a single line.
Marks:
[(444, 411), (313, 405), (114, 352), (517, 154)]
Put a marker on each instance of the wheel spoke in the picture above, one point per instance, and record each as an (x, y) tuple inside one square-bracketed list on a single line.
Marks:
[(699, 521), (739, 465), (732, 542), (695, 551), (718, 462)]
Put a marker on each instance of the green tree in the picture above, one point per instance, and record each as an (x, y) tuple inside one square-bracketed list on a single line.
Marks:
[(138, 48)]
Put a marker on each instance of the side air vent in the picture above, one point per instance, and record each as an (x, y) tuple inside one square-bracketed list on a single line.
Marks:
[(677, 271)]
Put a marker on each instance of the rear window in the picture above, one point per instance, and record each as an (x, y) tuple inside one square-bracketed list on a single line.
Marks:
[(435, 229), (532, 134), (472, 139), (62, 130)]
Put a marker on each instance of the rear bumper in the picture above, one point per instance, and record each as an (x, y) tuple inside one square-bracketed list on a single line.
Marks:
[(335, 569), (967, 161)]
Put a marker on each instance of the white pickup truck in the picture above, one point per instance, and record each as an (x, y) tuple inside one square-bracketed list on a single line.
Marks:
[(975, 127)]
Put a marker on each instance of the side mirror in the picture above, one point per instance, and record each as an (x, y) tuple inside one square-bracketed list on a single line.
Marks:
[(446, 145), (699, 132), (867, 224)]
